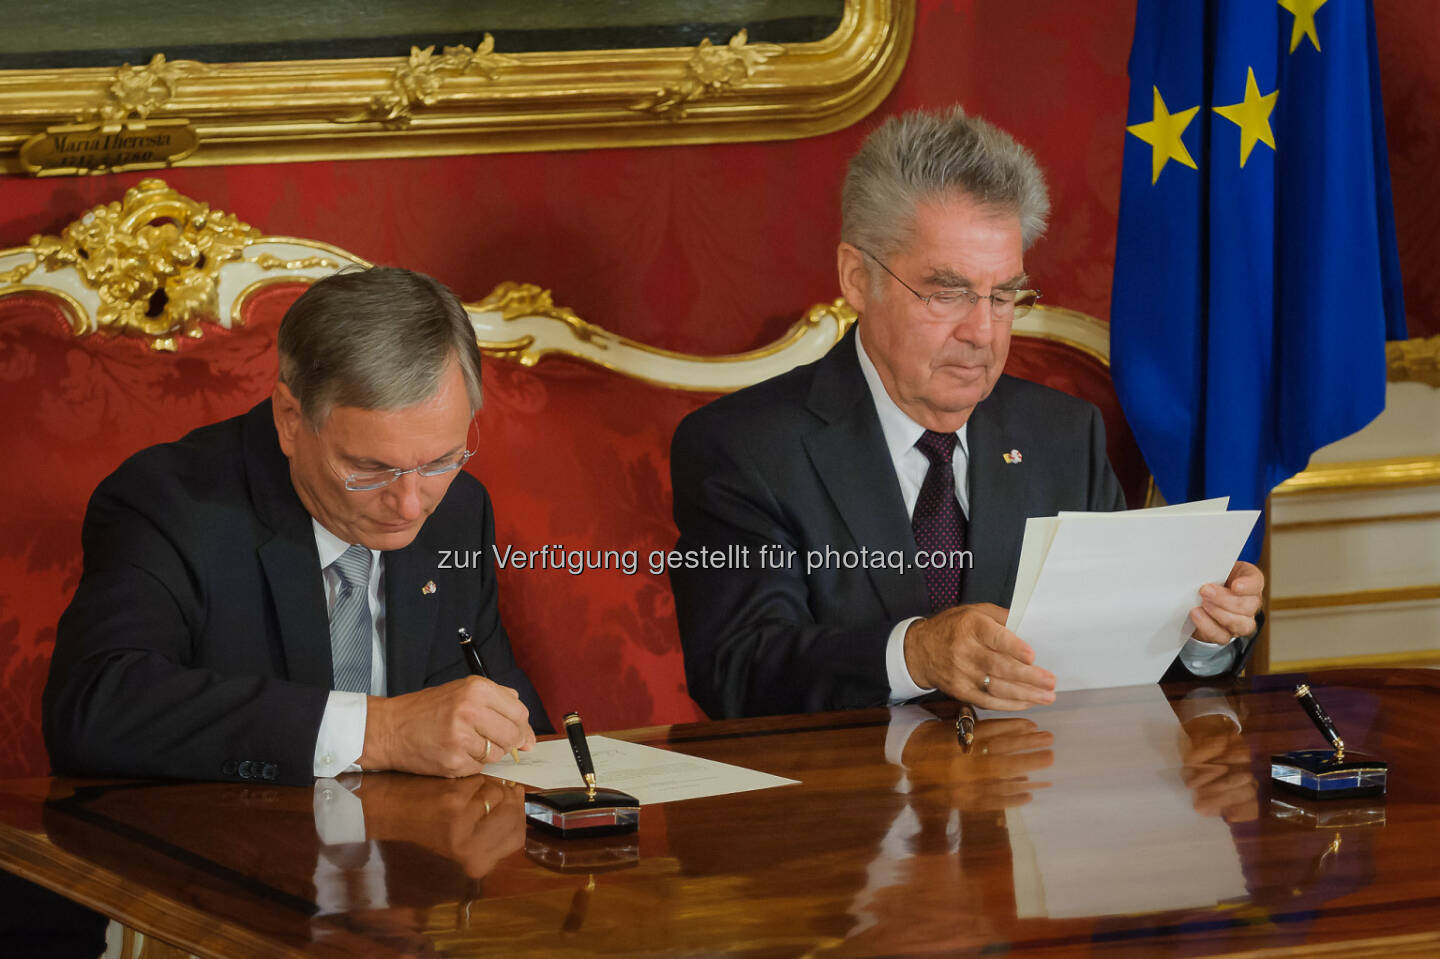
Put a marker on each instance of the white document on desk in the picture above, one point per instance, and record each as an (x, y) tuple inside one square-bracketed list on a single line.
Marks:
[(1104, 598), (650, 775)]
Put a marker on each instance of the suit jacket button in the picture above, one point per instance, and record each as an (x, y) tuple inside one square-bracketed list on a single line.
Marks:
[(245, 769), (269, 772), (228, 769)]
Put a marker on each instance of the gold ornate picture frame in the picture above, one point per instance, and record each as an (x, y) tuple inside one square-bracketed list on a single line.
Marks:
[(459, 99)]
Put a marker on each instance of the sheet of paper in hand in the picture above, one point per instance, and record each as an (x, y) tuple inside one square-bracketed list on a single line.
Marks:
[(1104, 598)]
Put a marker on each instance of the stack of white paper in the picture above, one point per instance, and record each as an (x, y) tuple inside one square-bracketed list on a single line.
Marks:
[(1104, 598)]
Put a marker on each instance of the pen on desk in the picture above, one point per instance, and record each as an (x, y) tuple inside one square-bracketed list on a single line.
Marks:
[(1320, 718), (965, 727), (581, 748), (477, 666)]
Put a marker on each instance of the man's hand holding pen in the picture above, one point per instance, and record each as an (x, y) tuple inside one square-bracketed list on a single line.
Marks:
[(450, 730), (471, 652)]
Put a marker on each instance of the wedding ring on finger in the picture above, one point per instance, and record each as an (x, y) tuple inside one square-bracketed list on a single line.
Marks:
[(486, 757), (985, 683)]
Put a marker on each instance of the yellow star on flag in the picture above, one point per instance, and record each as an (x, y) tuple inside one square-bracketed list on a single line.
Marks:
[(1163, 133), (1252, 116), (1304, 26)]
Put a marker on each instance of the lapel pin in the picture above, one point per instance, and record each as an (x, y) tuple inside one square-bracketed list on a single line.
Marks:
[(428, 588), (1012, 457)]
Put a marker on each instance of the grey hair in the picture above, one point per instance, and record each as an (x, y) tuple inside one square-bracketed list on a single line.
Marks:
[(920, 156), (376, 339)]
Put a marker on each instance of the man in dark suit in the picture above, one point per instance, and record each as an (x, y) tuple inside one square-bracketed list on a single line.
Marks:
[(266, 599), (899, 447)]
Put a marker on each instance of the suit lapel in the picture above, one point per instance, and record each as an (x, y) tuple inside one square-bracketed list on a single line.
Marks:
[(853, 463), (289, 557), (997, 518), (409, 615)]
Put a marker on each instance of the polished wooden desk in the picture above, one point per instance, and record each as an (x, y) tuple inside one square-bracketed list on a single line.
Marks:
[(1102, 823)]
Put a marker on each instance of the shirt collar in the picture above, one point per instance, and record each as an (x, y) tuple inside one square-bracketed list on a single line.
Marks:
[(901, 432), (331, 547)]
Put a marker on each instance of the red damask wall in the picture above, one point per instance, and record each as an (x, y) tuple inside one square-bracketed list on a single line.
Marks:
[(719, 248)]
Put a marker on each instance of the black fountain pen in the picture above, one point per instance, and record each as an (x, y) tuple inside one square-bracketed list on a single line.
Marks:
[(477, 666), (571, 812), (1321, 719), (581, 748)]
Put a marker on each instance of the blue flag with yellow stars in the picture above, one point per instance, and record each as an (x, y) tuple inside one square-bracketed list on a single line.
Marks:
[(1256, 274)]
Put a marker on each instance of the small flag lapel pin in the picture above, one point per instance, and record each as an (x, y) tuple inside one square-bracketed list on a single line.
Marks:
[(428, 588), (1012, 457)]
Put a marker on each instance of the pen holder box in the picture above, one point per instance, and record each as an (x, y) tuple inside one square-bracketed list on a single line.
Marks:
[(1317, 774), (578, 812)]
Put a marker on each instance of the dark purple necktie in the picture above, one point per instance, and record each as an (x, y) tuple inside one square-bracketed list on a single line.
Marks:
[(938, 523)]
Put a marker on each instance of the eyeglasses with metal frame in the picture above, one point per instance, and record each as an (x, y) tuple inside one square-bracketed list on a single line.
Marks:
[(953, 305), (365, 481)]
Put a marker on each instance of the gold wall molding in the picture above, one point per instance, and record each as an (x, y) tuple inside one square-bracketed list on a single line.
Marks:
[(416, 83), (1400, 471), (477, 101), (1416, 361), (1336, 522), (1357, 597), (1414, 657), (140, 91), (711, 71)]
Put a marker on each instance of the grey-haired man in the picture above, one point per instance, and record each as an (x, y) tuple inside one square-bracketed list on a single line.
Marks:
[(261, 600), (900, 442)]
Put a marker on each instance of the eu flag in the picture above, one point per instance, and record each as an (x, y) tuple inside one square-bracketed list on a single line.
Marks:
[(1256, 274)]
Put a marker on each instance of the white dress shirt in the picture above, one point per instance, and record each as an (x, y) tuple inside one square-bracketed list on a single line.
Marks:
[(901, 433), (342, 726)]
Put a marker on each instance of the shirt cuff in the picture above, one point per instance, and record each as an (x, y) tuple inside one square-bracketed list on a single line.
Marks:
[(342, 734), (1208, 659), (339, 814), (902, 687)]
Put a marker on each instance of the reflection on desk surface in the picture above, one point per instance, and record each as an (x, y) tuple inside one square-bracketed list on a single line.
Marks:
[(1142, 823), (1119, 819)]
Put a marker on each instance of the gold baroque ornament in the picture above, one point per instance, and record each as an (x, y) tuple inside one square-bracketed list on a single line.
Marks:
[(514, 300), (138, 91), (153, 258), (1416, 360), (710, 72), (417, 82), (268, 261)]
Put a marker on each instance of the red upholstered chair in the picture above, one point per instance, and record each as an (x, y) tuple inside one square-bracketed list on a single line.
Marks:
[(575, 449), (1070, 351)]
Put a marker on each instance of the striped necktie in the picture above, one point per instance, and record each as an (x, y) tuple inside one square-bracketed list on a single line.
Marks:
[(351, 624)]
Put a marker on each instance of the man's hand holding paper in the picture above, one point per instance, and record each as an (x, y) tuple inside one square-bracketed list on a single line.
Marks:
[(1228, 610), (956, 650)]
